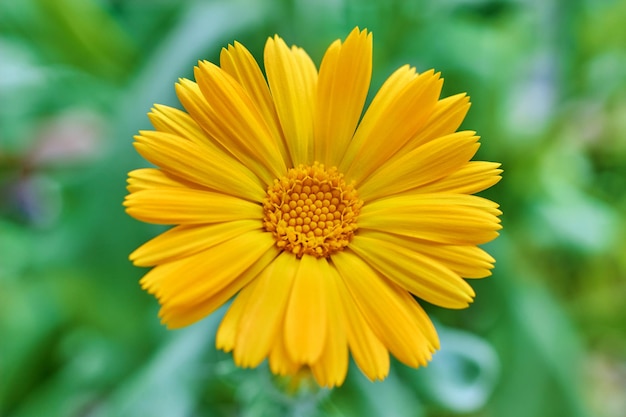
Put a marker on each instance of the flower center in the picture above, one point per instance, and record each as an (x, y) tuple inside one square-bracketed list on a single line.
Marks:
[(311, 210)]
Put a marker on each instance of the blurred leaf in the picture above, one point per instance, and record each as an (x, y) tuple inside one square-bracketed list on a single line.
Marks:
[(540, 351), (30, 317), (462, 375), (168, 384), (361, 397), (74, 32)]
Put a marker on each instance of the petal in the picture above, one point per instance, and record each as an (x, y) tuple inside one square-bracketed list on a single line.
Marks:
[(151, 282), (198, 277), (177, 122), (413, 271), (228, 330), (306, 315), (418, 314), (396, 114), (261, 321), (427, 163), (384, 310), (280, 360), (188, 206), (445, 119), (368, 351), (185, 240), (455, 219), (240, 126), (344, 80), (180, 315), (199, 164), (466, 261), (239, 63), (292, 78), (151, 178), (472, 178), (203, 113), (331, 368)]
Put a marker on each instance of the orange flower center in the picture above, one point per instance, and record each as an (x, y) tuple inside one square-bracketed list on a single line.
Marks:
[(311, 211)]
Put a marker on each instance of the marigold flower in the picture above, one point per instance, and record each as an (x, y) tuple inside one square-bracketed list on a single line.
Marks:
[(323, 223)]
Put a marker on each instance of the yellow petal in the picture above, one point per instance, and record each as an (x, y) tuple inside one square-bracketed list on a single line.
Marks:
[(188, 206), (208, 272), (151, 178), (185, 240), (455, 219), (425, 164), (152, 280), (331, 368), (261, 322), (239, 63), (228, 330), (413, 271), (445, 119), (368, 351), (384, 310), (472, 178), (417, 314), (203, 113), (292, 78), (396, 114), (306, 315), (199, 109), (180, 315), (240, 125), (344, 80), (177, 122), (280, 360), (198, 164), (467, 261)]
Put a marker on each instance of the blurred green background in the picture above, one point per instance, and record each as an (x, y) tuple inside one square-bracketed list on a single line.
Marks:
[(546, 335)]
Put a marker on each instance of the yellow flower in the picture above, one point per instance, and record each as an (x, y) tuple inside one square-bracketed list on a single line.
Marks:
[(322, 222)]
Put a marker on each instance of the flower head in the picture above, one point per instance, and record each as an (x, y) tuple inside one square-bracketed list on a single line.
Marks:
[(321, 222)]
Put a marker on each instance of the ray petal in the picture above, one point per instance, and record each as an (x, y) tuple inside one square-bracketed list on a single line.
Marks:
[(188, 206), (413, 271), (455, 219), (241, 65), (330, 370), (198, 277), (417, 313), (180, 315), (473, 177), (185, 240), (280, 361), (228, 330), (465, 260), (260, 323), (445, 119), (396, 114), (384, 310), (221, 136), (427, 163), (344, 80), (198, 164), (292, 78), (176, 122), (240, 125), (306, 316), (151, 178)]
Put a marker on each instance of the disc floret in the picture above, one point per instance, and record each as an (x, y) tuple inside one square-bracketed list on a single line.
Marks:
[(311, 211)]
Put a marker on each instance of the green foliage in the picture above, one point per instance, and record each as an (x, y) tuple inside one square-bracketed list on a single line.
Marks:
[(546, 336)]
